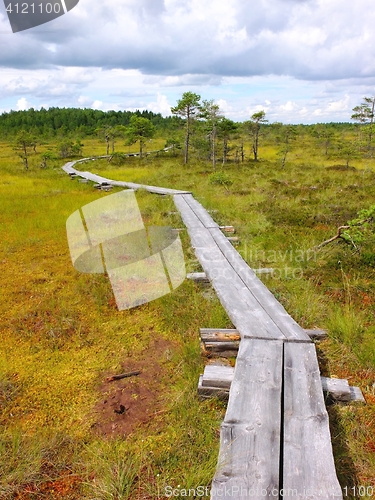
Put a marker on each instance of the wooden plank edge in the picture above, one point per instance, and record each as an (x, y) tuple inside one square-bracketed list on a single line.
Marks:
[(264, 270), (198, 277), (228, 229), (225, 334), (219, 333), (316, 333), (356, 395), (233, 239), (336, 389), (211, 392)]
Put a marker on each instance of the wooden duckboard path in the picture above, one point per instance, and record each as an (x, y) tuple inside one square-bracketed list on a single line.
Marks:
[(250, 305), (275, 436), (275, 439), (69, 169)]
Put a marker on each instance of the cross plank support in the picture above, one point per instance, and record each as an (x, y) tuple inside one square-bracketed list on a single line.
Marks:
[(219, 377)]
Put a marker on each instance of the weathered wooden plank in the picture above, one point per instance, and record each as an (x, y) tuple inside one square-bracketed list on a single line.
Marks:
[(264, 270), (217, 376), (220, 349), (219, 334), (94, 177), (356, 395), (202, 240), (308, 465), (198, 277), (200, 212), (69, 168), (227, 229), (233, 239), (250, 434), (245, 469), (276, 312), (187, 214), (222, 377), (316, 334), (241, 306), (216, 343), (151, 189), (223, 334), (336, 388), (205, 392)]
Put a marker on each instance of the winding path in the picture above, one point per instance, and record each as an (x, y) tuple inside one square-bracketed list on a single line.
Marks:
[(275, 439)]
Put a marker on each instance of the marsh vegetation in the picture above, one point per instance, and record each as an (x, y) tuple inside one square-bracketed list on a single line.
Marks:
[(62, 334)]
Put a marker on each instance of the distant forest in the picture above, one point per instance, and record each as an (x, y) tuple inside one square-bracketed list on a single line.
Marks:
[(62, 121), (84, 122)]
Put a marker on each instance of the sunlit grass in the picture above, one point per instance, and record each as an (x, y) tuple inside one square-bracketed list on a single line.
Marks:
[(61, 331)]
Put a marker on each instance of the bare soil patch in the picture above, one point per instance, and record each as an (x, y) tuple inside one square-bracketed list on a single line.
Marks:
[(127, 403)]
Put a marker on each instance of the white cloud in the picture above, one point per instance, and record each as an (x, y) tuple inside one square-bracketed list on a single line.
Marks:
[(289, 106), (84, 100), (257, 109), (303, 59), (160, 106), (97, 104), (22, 104), (341, 105), (215, 37), (224, 106)]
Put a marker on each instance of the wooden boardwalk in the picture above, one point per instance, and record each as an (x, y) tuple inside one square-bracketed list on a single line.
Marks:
[(275, 436), (275, 439), (69, 169)]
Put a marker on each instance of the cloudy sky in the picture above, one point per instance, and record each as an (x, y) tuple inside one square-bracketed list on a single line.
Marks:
[(302, 61)]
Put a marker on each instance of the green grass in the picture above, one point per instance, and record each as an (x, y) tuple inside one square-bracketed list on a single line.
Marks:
[(61, 332)]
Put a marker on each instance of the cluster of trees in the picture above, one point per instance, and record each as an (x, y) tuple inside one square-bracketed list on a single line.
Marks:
[(140, 129), (25, 144), (196, 127), (204, 119), (215, 125)]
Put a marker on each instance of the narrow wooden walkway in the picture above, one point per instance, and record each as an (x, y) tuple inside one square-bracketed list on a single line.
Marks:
[(69, 169), (275, 439)]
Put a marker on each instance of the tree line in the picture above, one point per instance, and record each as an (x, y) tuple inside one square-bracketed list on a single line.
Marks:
[(53, 122), (196, 127)]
